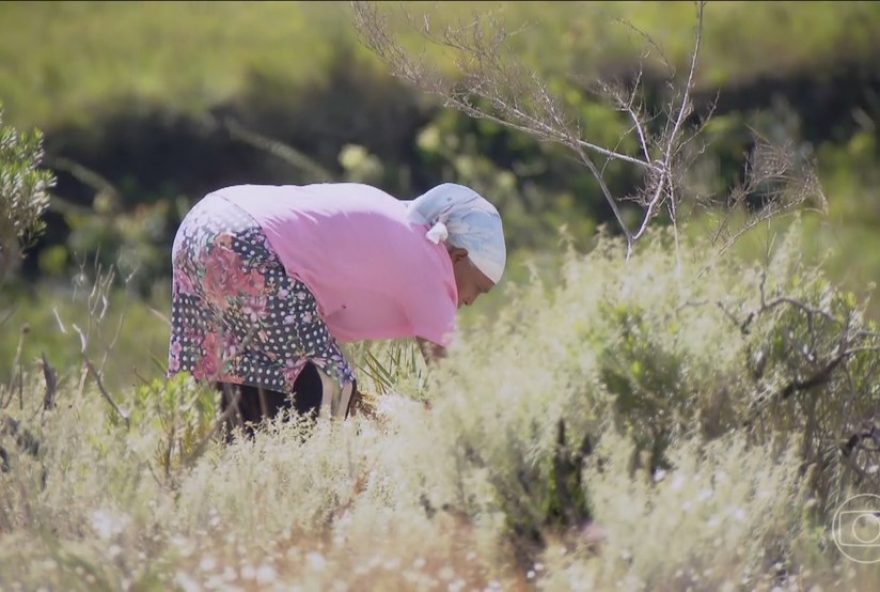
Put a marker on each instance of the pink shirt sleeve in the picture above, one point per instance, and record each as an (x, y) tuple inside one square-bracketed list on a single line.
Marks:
[(431, 310), (432, 317)]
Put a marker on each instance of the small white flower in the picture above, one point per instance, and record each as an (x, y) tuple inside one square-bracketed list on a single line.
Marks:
[(106, 524), (361, 570), (456, 586), (207, 563), (229, 573), (188, 584), (316, 561), (266, 574), (677, 483)]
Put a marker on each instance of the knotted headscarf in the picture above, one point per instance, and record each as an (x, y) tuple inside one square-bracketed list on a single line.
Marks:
[(464, 219)]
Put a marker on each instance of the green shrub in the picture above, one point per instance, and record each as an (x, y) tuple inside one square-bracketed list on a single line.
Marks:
[(626, 394), (23, 193)]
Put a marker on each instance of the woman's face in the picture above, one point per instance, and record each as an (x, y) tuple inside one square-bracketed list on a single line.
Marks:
[(470, 281)]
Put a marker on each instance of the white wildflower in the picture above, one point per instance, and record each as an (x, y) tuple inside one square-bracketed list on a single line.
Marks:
[(316, 561), (456, 586), (677, 483), (391, 564), (229, 573), (107, 524), (266, 574), (186, 583), (207, 563)]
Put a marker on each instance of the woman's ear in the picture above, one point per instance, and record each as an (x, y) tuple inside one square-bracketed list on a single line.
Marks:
[(457, 254)]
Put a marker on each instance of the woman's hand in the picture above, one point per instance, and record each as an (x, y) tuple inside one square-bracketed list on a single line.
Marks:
[(431, 351)]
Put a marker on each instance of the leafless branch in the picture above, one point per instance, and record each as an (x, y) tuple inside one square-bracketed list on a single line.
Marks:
[(275, 147), (51, 379), (494, 86), (97, 376), (649, 41), (84, 175), (218, 424)]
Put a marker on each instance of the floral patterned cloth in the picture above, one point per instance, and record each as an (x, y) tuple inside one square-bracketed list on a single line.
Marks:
[(236, 315)]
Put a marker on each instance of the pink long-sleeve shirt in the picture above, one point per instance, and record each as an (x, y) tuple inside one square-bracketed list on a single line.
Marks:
[(372, 271)]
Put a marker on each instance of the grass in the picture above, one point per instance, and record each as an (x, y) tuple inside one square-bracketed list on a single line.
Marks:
[(64, 63), (481, 491)]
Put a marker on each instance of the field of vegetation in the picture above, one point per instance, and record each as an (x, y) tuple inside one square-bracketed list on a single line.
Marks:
[(683, 419), (682, 410)]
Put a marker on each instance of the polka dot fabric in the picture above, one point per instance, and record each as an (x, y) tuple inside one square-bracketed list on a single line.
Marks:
[(236, 316)]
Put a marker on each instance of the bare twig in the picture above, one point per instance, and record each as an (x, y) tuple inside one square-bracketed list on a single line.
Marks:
[(105, 394), (85, 175), (159, 315), (493, 85), (683, 111), (220, 421), (8, 316), (120, 323), (497, 88), (51, 383), (275, 147), (17, 378)]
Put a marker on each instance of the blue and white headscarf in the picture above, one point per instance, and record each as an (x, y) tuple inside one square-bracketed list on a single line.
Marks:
[(464, 219)]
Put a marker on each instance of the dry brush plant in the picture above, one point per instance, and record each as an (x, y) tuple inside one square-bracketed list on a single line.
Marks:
[(525, 442), (647, 360), (662, 140)]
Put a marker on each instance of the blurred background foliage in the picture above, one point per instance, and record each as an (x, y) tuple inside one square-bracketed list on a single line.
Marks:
[(145, 107)]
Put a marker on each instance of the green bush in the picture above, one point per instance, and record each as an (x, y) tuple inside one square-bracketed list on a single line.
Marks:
[(702, 410), (23, 193)]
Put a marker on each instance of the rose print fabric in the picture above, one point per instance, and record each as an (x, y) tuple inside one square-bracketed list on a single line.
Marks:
[(236, 315)]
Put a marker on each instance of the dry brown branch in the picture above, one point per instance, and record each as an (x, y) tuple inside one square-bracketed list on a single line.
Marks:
[(272, 146), (784, 186), (97, 376), (221, 421), (51, 379), (17, 379), (492, 83)]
